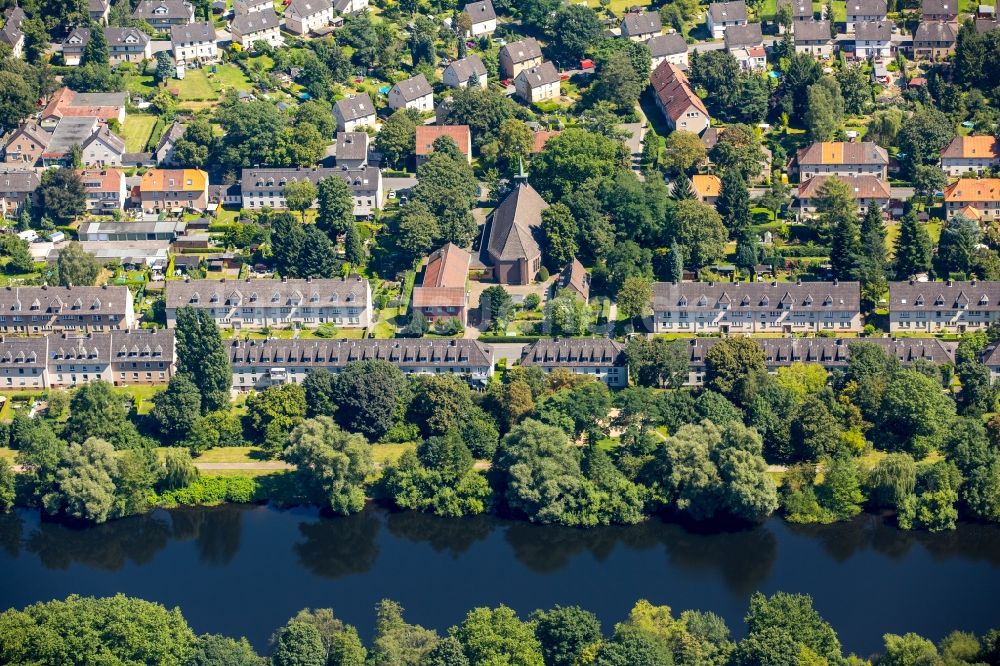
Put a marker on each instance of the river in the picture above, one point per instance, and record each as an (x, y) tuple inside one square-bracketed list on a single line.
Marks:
[(244, 570)]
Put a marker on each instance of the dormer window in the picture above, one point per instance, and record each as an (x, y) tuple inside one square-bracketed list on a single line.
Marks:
[(702, 302), (984, 300), (195, 298), (939, 300), (919, 300), (765, 300)]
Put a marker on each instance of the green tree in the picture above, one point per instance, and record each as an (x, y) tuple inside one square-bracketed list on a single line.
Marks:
[(914, 414), (618, 82), (218, 650), (846, 258), (658, 362), (396, 140), (856, 89), (176, 409), (164, 67), (341, 643), (498, 636), (97, 411), (735, 368), (178, 470), (447, 186), (748, 253), (957, 245), (681, 189), (913, 248), (447, 652), (908, 650), (825, 111), (560, 231), (299, 196), (874, 261), (684, 152), (202, 357), (60, 196), (331, 465), (416, 231), (567, 315), (928, 179), (834, 205), (793, 614), (575, 28), (573, 158), (371, 396), (273, 413), (922, 137), (6, 485), (840, 493), (635, 298), (86, 482), (439, 403), (298, 644), (396, 641), (195, 145), (564, 632), (76, 266), (319, 388), (734, 204), (892, 480), (497, 307), (317, 256), (739, 148), (96, 50), (698, 230)]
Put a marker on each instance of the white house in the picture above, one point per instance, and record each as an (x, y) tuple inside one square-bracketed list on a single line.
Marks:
[(722, 15), (860, 11), (640, 26), (970, 155), (465, 72), (350, 6), (483, 17), (305, 16), (355, 112), (194, 43), (538, 84), (265, 188), (262, 26), (668, 48), (251, 6), (413, 93), (103, 148), (872, 39)]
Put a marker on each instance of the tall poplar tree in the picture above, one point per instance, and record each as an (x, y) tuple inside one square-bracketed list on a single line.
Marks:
[(913, 248), (202, 357), (734, 203)]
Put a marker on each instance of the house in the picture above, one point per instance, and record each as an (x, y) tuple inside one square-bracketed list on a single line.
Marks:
[(707, 188), (574, 277), (265, 188), (106, 190), (537, 84), (350, 6), (73, 46), (354, 112), (194, 43), (872, 39), (164, 153), (258, 364), (23, 363), (166, 230), (66, 103), (934, 40), (756, 307), (163, 190), (512, 246), (840, 158), (984, 26), (722, 15), (981, 194), (413, 93), (943, 307), (968, 155), (251, 6), (865, 11), (352, 149), (70, 134), (813, 38), (865, 190), (939, 10), (746, 43), (603, 359), (162, 14), (305, 16), (426, 135), (16, 188), (442, 294), (483, 18), (668, 48), (26, 144), (640, 26), (464, 72), (256, 303), (683, 109), (127, 45), (262, 26), (103, 148), (518, 56), (802, 11), (39, 310), (11, 33), (99, 10)]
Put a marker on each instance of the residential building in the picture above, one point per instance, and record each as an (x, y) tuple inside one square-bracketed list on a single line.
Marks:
[(483, 18), (939, 10), (350, 6), (26, 143), (934, 40), (99, 10), (965, 155), (866, 191), (165, 230), (106, 190), (681, 107), (722, 15), (872, 39), (442, 293), (464, 72), (35, 310), (68, 134), (640, 26), (982, 195), (163, 14), (668, 48), (538, 84), (865, 11), (251, 6), (574, 277), (813, 38), (254, 304), (426, 135), (514, 229), (943, 307), (353, 113), (127, 45), (305, 16), (413, 93), (102, 149), (11, 33), (23, 363), (603, 359), (262, 26), (802, 11), (194, 43), (707, 188), (264, 188), (162, 190), (16, 188), (518, 56), (66, 103), (258, 364), (73, 45), (743, 36), (984, 26), (164, 152), (840, 158), (352, 149), (756, 307)]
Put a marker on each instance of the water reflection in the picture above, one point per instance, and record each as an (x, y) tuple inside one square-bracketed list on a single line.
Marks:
[(11, 527), (443, 535), (336, 547), (107, 547), (216, 530)]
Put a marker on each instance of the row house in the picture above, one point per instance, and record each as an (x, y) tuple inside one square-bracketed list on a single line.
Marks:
[(26, 144), (99, 10), (866, 191), (538, 84), (518, 56), (194, 43), (11, 34), (165, 190), (354, 113), (802, 12), (813, 38), (305, 16), (865, 11), (262, 26), (974, 198), (73, 46), (243, 7), (641, 26), (482, 18), (943, 307), (38, 310), (756, 307), (426, 135), (127, 45), (164, 14), (16, 188), (254, 304), (600, 358), (681, 107), (465, 72), (939, 10), (746, 44), (413, 93), (969, 155), (872, 40), (258, 364), (105, 189), (668, 48), (840, 158), (935, 40), (442, 294), (722, 15), (265, 188)]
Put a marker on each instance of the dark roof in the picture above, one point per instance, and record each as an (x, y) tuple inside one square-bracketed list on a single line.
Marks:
[(872, 31), (665, 45), (829, 352), (984, 26), (175, 9), (17, 180), (268, 293), (352, 146), (24, 352), (193, 32), (464, 68), (480, 12), (11, 32), (361, 179), (867, 7), (173, 133), (642, 23), (86, 300), (515, 222), (728, 11), (939, 7), (574, 353), (574, 276), (522, 51), (354, 108), (541, 75), (743, 36), (843, 152), (935, 32), (413, 88), (801, 9), (913, 295), (757, 296), (247, 24), (77, 39), (812, 31), (403, 353), (123, 36), (108, 137), (307, 8)]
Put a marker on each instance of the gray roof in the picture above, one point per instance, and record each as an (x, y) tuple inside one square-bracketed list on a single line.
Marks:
[(934, 296), (267, 293), (413, 88), (872, 31), (87, 300), (175, 9), (842, 152), (171, 135), (141, 343), (11, 32), (354, 108), (464, 68), (76, 40), (642, 23), (307, 8), (109, 138), (71, 131), (574, 353), (480, 12), (801, 9), (91, 228), (522, 51), (99, 99), (541, 75), (23, 352), (936, 31), (812, 31), (757, 296), (984, 26), (18, 180), (867, 7), (98, 5), (247, 24), (403, 353), (352, 146), (515, 222), (829, 352), (743, 36), (661, 46), (125, 36), (196, 33), (939, 7), (728, 11), (362, 179)]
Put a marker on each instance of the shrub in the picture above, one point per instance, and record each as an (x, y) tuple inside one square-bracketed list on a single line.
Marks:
[(532, 301)]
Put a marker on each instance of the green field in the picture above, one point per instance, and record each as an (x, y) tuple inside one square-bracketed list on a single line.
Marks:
[(136, 131), (195, 86)]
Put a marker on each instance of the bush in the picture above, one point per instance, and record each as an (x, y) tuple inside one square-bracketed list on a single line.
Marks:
[(450, 326), (241, 489), (532, 301), (327, 330), (543, 274), (211, 490)]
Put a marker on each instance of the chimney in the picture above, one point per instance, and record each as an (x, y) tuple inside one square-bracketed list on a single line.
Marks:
[(948, 283), (836, 282), (284, 280)]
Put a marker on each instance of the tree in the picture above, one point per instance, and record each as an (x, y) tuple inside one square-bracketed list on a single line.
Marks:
[(515, 142), (681, 189), (96, 411), (735, 367), (19, 252), (698, 231), (793, 614), (840, 493), (7, 493), (567, 315), (565, 632), (572, 158), (86, 481), (874, 262), (717, 71), (635, 297), (298, 644), (17, 99), (846, 257), (370, 396), (254, 133), (60, 196), (618, 82), (439, 403), (331, 465), (484, 111), (825, 111), (913, 248), (178, 470), (194, 146), (560, 231), (922, 137), (354, 247), (447, 652), (834, 205), (341, 644), (76, 266), (396, 641), (498, 636), (416, 231), (164, 67), (447, 186), (928, 179), (908, 650), (396, 140), (892, 480), (957, 245), (497, 307), (657, 363), (300, 195), (273, 413), (176, 409), (748, 253), (739, 148), (317, 256), (202, 357), (684, 152), (218, 650), (914, 414), (734, 204), (575, 28)]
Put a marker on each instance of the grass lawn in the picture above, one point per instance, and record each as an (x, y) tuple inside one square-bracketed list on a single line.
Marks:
[(388, 323), (136, 131), (142, 396), (244, 472), (195, 86), (618, 7), (341, 334), (892, 233), (231, 454), (227, 215), (390, 453), (9, 454), (232, 77), (141, 85)]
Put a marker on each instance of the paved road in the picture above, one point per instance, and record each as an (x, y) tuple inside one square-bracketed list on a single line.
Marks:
[(268, 464)]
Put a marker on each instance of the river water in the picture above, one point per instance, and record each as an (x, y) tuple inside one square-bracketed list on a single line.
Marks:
[(244, 570)]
